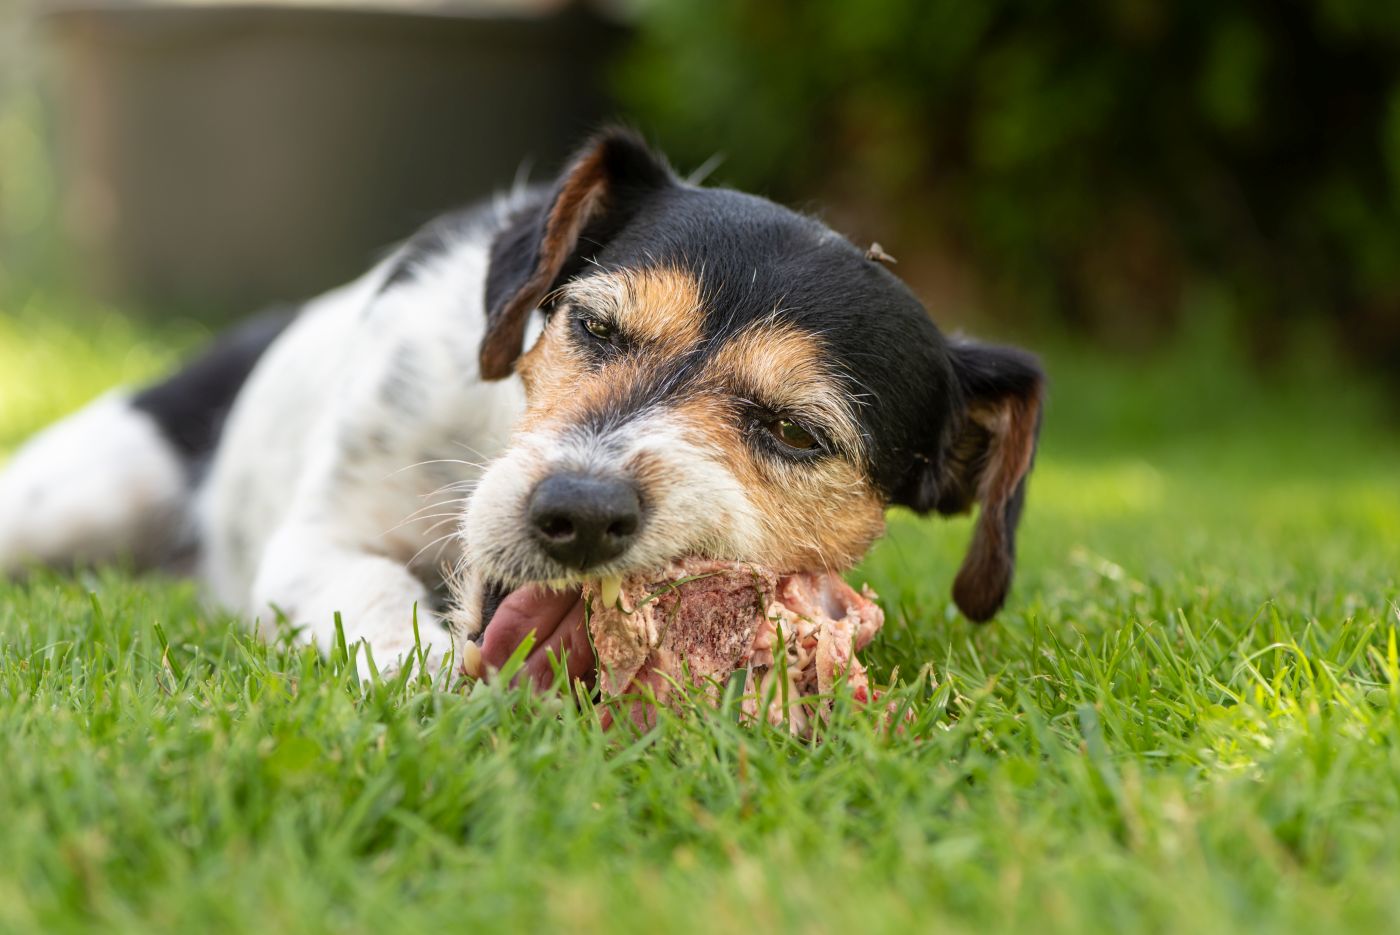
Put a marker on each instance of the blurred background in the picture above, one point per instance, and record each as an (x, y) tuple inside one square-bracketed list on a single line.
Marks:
[(1134, 180), (1098, 167)]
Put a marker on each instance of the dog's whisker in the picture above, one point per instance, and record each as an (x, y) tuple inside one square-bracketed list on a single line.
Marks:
[(480, 454), (454, 487), (423, 464), (446, 518), (441, 517), (422, 512), (452, 514), (439, 540), (435, 499)]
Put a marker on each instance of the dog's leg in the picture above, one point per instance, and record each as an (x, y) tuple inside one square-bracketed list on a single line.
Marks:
[(309, 574), (365, 526), (103, 484)]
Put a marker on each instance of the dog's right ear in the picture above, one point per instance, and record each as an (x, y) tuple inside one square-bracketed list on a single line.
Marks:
[(593, 198)]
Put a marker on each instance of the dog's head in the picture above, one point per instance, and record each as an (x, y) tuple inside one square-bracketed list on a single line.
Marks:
[(720, 376)]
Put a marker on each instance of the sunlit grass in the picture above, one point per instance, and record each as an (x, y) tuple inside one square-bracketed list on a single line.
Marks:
[(55, 358), (1187, 718)]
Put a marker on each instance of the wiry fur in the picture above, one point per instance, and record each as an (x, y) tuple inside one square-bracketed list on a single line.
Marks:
[(382, 449)]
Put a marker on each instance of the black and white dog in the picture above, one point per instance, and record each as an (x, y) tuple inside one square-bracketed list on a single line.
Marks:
[(572, 383)]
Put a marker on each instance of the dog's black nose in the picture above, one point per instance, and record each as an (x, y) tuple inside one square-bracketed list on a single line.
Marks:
[(581, 520)]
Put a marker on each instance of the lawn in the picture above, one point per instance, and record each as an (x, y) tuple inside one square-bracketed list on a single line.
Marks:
[(1187, 718)]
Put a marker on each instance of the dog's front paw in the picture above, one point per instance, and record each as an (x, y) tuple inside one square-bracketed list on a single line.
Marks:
[(376, 600)]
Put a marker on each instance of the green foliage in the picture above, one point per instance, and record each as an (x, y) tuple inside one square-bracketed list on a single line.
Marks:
[(1092, 159), (55, 356), (28, 187), (1187, 719)]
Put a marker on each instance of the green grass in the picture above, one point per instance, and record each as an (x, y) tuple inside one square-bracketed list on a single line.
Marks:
[(1187, 719)]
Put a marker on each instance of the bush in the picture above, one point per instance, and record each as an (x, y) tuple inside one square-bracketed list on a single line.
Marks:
[(1091, 160)]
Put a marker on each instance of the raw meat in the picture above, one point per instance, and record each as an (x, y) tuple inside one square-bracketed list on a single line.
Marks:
[(700, 621)]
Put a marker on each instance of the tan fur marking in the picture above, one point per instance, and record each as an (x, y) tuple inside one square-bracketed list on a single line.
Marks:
[(558, 382), (822, 515), (660, 307), (815, 516), (785, 367)]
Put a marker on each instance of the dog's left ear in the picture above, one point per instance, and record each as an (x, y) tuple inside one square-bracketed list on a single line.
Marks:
[(593, 198), (985, 460)]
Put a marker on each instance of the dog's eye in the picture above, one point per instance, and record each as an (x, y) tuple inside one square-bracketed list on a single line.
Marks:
[(791, 434), (599, 329)]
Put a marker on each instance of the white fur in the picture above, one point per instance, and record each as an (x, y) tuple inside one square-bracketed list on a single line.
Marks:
[(328, 496), (99, 486)]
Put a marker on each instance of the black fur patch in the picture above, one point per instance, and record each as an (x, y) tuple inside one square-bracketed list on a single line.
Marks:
[(191, 406)]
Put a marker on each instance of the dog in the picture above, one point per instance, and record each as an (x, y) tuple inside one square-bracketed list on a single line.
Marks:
[(568, 383)]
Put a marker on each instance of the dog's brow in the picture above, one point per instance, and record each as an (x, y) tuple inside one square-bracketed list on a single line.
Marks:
[(660, 305), (783, 368)]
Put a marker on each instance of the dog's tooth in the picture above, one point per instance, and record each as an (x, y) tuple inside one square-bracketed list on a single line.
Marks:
[(610, 589), (471, 660)]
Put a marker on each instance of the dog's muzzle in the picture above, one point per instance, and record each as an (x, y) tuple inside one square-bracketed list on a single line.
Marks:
[(580, 520)]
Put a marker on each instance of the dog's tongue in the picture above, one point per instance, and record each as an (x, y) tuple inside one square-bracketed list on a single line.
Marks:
[(523, 611), (535, 608)]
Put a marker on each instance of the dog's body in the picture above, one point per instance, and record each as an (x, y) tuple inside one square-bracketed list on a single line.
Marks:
[(706, 373), (308, 459)]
